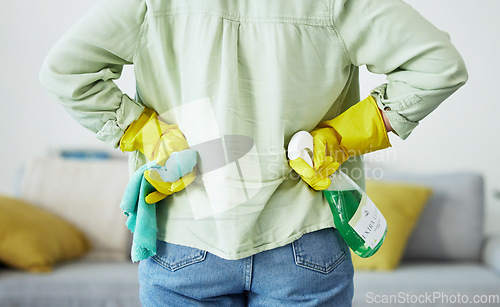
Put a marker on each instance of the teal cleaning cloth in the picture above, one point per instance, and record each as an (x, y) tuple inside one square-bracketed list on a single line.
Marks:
[(141, 216)]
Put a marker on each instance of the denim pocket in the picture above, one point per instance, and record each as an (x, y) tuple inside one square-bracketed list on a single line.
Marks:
[(174, 257), (320, 251)]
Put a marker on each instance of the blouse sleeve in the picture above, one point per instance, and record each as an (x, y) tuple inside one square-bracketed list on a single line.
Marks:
[(79, 70), (422, 66)]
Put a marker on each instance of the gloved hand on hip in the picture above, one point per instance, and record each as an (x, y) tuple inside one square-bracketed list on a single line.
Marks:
[(157, 141), (358, 130)]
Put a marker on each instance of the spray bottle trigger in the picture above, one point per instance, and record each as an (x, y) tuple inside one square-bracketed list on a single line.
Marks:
[(301, 146)]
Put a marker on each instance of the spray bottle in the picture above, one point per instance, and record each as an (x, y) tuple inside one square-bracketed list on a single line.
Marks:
[(356, 217)]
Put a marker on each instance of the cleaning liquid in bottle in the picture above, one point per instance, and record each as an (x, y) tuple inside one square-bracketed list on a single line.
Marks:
[(356, 217)]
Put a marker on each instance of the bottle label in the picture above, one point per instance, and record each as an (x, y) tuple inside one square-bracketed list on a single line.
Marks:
[(369, 222)]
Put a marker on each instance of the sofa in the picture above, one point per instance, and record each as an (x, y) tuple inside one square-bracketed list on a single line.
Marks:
[(447, 258), (86, 193)]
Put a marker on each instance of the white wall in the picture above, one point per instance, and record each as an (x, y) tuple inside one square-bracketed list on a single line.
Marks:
[(31, 122), (460, 135)]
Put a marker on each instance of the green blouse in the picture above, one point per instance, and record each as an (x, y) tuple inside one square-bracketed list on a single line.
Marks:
[(240, 78)]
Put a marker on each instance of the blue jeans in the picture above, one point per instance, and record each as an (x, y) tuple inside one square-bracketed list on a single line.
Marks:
[(315, 270)]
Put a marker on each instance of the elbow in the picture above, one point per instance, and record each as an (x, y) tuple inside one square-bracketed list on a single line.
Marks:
[(59, 80), (456, 71), (47, 77), (57, 75), (460, 74)]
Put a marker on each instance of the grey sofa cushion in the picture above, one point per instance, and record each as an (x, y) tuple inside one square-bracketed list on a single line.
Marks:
[(451, 224), (428, 284), (75, 283), (491, 252)]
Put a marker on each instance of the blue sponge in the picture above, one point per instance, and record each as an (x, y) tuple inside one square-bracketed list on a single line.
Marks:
[(178, 164)]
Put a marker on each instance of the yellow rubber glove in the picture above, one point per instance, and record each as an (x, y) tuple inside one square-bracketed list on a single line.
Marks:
[(357, 131), (156, 140)]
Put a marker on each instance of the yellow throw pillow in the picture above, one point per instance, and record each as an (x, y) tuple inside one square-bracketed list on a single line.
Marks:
[(34, 239), (401, 204)]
